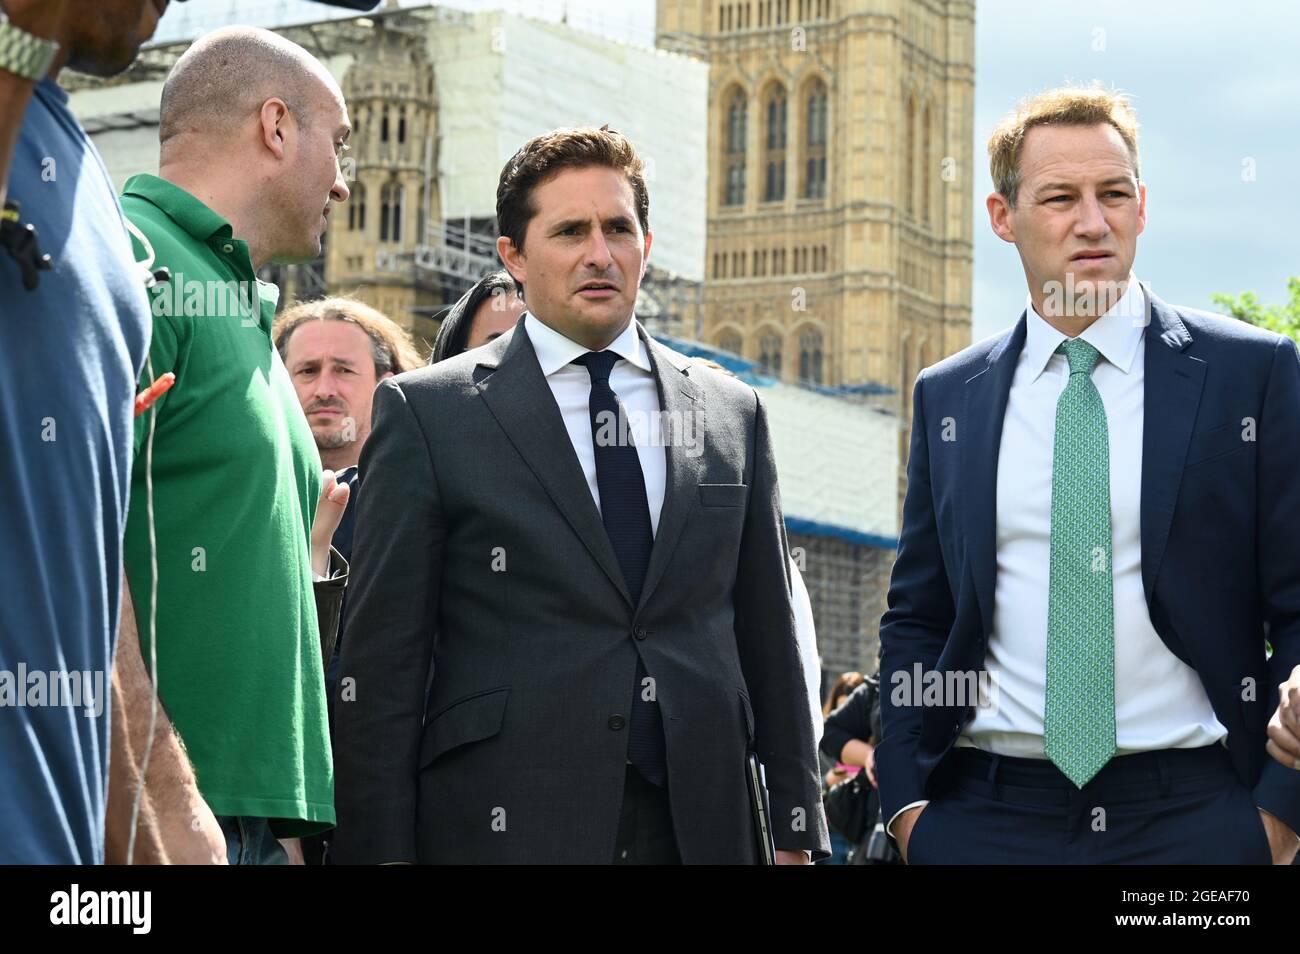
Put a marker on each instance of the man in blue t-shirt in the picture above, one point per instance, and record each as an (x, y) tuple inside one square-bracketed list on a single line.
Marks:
[(73, 348)]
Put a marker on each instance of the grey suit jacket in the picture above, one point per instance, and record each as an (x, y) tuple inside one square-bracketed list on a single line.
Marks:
[(480, 550)]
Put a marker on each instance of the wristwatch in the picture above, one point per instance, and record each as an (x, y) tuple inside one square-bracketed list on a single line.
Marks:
[(25, 55)]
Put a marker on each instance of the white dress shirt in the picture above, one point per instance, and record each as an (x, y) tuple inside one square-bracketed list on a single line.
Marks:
[(633, 382), (1160, 702), (805, 631)]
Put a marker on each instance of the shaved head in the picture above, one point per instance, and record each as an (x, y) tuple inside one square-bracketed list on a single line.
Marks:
[(255, 127), (223, 79)]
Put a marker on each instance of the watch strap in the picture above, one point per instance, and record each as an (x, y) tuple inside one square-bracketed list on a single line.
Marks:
[(23, 54)]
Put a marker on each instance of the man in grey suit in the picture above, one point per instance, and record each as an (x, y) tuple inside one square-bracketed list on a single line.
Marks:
[(577, 534)]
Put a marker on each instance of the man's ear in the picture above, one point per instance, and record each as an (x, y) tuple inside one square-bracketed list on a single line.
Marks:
[(513, 259), (386, 374), (645, 255), (1000, 217), (273, 126)]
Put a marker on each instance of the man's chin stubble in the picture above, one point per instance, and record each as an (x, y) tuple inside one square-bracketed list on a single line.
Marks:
[(331, 440)]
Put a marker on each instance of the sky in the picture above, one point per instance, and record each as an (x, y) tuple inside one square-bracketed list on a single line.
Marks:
[(1216, 87)]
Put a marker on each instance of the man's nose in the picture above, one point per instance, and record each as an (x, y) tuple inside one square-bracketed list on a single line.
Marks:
[(326, 385), (1092, 219), (340, 191), (598, 256)]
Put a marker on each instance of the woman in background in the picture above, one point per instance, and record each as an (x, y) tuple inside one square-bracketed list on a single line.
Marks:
[(488, 310)]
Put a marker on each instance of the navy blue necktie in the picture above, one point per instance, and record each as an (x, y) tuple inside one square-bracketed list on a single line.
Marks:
[(625, 511)]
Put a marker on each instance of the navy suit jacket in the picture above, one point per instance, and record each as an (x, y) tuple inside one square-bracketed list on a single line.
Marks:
[(1220, 535)]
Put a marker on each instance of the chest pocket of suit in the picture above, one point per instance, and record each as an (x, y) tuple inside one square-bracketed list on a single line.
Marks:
[(724, 495), (469, 719), (1216, 442)]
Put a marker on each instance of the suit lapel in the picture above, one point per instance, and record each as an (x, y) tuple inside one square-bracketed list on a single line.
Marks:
[(512, 385), (985, 409), (682, 401), (1172, 386)]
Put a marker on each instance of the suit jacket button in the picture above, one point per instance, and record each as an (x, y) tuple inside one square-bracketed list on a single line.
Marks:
[(616, 722), (640, 632)]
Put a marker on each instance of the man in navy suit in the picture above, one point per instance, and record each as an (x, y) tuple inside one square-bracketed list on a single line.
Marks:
[(1101, 532)]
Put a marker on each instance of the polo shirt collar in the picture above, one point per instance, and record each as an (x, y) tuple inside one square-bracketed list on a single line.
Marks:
[(1116, 334), (187, 211), (554, 350), (52, 89)]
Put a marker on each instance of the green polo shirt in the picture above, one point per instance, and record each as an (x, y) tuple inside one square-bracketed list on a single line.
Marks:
[(236, 477)]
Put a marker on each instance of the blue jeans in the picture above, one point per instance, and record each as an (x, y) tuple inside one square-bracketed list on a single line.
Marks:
[(840, 848), (249, 841)]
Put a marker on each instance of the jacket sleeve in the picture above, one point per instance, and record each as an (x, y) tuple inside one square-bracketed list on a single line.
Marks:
[(397, 555), (915, 627), (769, 657), (1278, 496), (329, 603), (852, 720)]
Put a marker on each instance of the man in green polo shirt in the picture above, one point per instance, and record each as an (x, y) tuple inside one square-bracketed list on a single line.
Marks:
[(252, 130)]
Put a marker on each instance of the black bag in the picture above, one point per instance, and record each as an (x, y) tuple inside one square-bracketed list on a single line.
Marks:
[(849, 807)]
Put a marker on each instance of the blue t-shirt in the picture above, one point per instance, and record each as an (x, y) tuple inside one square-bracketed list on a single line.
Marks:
[(70, 355)]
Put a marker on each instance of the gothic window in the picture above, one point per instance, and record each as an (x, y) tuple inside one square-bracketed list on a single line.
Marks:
[(775, 141), (357, 209), (909, 158), (390, 213), (770, 354), (926, 171), (810, 356), (397, 213), (734, 160), (815, 105)]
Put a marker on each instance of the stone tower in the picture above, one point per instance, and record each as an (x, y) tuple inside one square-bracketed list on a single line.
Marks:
[(840, 160), (392, 102)]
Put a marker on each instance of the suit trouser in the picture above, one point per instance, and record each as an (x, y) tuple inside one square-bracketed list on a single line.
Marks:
[(1173, 806), (645, 824)]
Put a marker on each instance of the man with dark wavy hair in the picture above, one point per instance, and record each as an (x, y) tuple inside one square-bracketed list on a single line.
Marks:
[(611, 604)]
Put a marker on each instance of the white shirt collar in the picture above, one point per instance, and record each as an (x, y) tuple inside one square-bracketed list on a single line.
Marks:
[(1116, 334), (554, 350)]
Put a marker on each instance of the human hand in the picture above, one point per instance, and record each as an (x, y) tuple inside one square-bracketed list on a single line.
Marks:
[(329, 511), (903, 828), (1282, 841)]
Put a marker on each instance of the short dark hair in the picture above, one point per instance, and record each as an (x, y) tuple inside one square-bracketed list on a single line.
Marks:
[(545, 155), (453, 333)]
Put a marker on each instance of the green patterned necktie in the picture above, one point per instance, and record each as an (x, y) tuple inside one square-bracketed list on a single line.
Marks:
[(1079, 708)]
